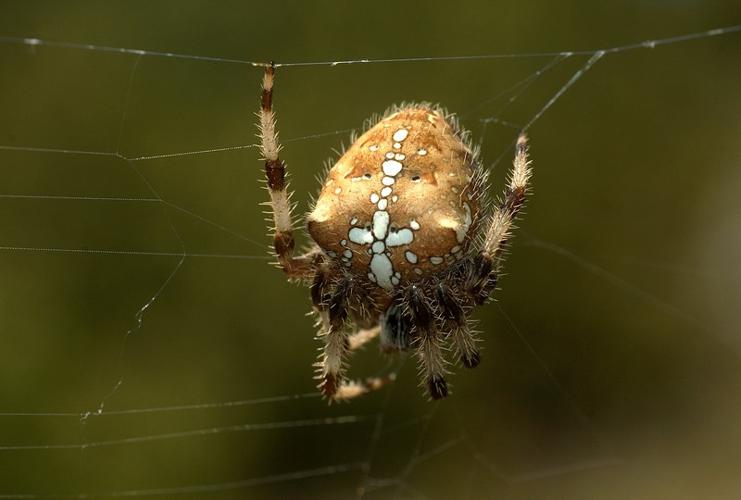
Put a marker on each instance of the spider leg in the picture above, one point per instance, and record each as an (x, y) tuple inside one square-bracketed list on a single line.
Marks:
[(330, 302), (280, 202), (396, 330), (330, 367), (429, 344), (331, 299), (507, 209), (454, 319), (352, 389), (482, 272), (362, 336)]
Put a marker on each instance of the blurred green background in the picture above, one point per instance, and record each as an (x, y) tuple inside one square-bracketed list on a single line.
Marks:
[(611, 363)]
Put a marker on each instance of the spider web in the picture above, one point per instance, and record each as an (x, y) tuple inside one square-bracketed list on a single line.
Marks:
[(130, 201)]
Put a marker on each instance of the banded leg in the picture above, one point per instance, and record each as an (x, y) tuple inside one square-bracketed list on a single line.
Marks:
[(481, 276), (329, 302), (514, 198), (429, 344), (280, 198), (351, 389), (455, 321), (396, 330), (331, 365)]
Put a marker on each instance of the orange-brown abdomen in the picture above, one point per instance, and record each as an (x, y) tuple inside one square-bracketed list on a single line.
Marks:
[(400, 202)]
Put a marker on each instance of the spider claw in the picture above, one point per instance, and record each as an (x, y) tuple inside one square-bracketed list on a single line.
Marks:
[(328, 386), (471, 360), (437, 387)]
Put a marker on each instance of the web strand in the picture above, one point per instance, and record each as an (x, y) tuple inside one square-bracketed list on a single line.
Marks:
[(139, 316), (175, 408), (293, 424), (203, 488), (99, 251), (646, 44)]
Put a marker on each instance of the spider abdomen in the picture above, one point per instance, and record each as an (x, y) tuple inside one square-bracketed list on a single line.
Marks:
[(401, 202)]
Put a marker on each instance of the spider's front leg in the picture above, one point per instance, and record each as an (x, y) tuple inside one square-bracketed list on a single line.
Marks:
[(479, 277), (506, 211), (298, 267), (481, 271)]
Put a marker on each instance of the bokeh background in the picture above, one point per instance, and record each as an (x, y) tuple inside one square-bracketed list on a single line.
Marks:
[(611, 363)]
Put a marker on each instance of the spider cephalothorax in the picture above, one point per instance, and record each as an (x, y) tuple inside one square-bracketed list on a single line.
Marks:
[(406, 242)]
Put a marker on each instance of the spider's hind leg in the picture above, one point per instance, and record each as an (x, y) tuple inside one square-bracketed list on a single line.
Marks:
[(454, 319), (428, 340), (362, 336), (352, 389), (396, 330)]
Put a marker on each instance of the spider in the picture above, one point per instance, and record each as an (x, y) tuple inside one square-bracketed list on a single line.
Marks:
[(405, 240)]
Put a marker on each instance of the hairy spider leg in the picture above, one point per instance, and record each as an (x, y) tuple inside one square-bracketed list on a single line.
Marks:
[(506, 211), (329, 298), (454, 319), (429, 342), (362, 336), (295, 267)]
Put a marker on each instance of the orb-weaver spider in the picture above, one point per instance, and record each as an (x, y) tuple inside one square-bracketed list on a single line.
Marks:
[(406, 242)]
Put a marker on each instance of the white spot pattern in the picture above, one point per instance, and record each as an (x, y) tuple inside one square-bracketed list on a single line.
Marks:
[(360, 236), (462, 229), (401, 237), (400, 135), (380, 224), (391, 167), (382, 268), (378, 236)]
